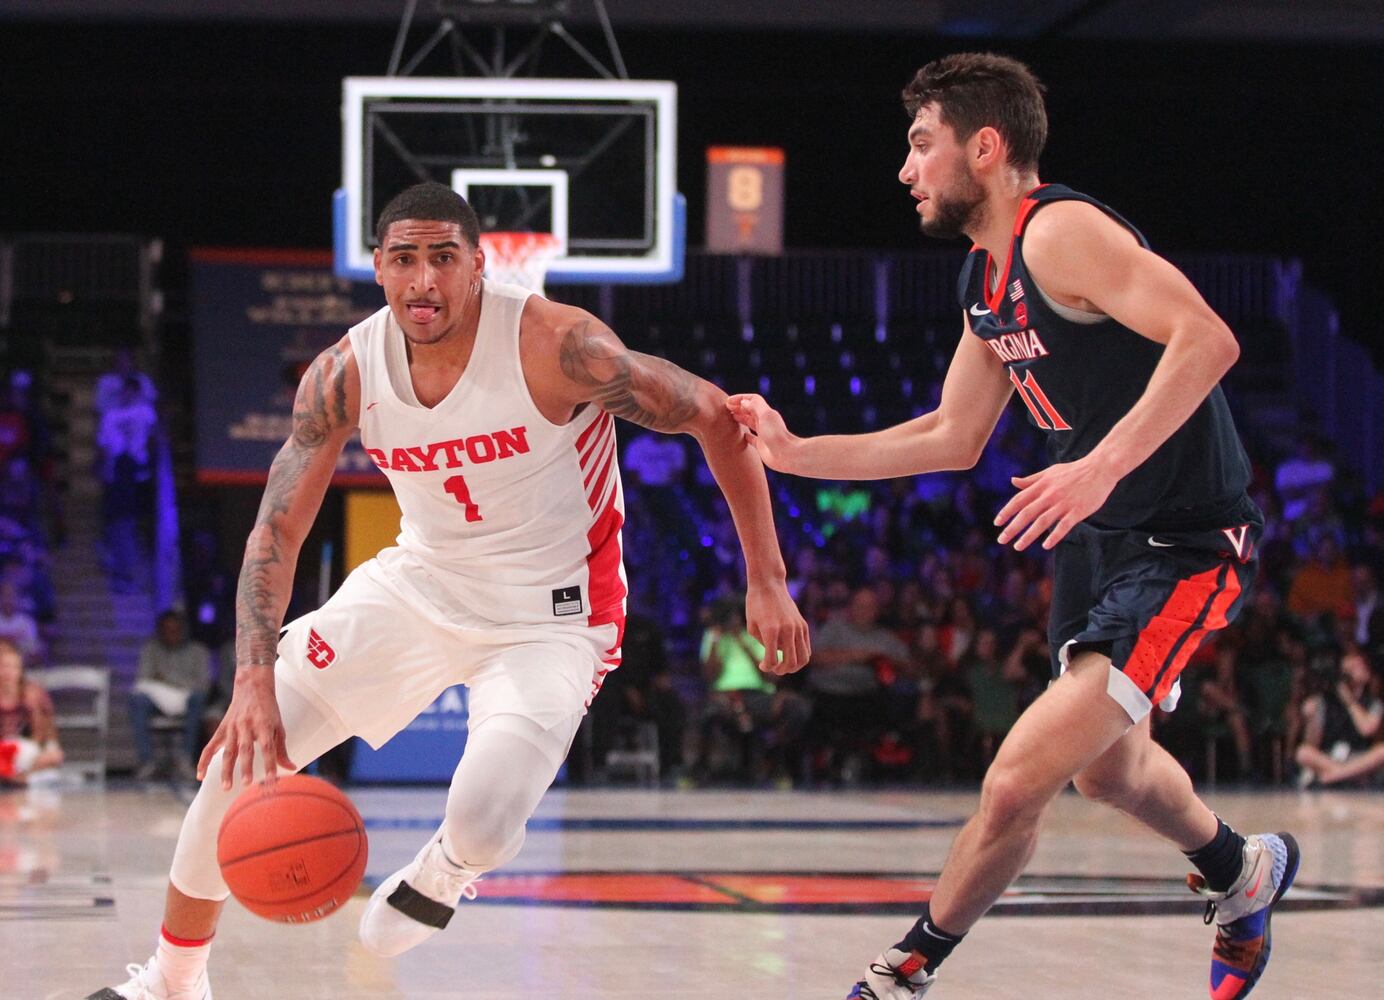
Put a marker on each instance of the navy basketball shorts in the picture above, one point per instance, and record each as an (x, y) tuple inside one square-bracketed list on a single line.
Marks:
[(1148, 599)]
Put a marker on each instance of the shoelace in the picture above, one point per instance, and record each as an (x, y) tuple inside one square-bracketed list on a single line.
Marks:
[(445, 884), (880, 969), (136, 973), (1198, 885), (1210, 914), (1240, 954)]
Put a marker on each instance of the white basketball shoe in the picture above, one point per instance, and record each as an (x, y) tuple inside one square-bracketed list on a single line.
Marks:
[(415, 902), (146, 983), (895, 975)]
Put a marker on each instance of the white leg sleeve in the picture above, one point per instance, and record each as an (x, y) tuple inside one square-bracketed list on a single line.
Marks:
[(509, 763), (309, 733)]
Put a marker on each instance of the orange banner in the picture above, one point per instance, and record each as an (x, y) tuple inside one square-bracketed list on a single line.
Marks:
[(745, 154)]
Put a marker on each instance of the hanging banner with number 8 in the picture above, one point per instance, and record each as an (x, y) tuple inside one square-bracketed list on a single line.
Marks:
[(744, 204)]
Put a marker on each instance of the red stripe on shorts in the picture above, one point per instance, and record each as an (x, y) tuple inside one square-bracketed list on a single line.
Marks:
[(1160, 638), (1214, 622)]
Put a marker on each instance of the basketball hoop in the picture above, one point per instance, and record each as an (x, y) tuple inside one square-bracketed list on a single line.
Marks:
[(519, 258)]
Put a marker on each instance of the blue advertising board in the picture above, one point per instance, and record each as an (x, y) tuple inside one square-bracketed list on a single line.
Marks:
[(259, 317), (427, 749)]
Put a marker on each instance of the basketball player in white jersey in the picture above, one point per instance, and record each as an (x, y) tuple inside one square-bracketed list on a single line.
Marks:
[(490, 411)]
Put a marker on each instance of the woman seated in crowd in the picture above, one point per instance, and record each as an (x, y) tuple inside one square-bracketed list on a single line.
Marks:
[(28, 736), (1343, 725)]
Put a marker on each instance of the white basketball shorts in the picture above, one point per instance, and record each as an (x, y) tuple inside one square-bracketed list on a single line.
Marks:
[(374, 656)]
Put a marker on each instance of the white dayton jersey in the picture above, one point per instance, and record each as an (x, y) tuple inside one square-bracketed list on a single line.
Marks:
[(508, 518)]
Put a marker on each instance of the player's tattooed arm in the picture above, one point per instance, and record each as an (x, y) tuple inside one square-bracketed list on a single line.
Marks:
[(657, 394), (325, 412), (640, 388)]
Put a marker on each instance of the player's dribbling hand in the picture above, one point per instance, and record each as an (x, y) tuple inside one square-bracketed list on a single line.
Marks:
[(768, 433), (252, 721), (1058, 498), (773, 619)]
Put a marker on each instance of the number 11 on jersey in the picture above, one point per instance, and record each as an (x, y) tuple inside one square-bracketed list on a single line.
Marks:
[(1045, 415), (456, 486)]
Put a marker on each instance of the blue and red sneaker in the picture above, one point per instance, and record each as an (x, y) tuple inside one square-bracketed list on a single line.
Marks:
[(895, 975), (1242, 913)]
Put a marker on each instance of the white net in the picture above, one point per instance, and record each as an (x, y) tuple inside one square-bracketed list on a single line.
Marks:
[(519, 258)]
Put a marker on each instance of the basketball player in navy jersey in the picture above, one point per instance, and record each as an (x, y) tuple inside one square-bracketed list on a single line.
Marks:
[(491, 412), (1118, 360)]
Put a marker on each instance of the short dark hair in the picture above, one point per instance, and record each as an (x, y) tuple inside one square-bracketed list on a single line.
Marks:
[(432, 202), (976, 89)]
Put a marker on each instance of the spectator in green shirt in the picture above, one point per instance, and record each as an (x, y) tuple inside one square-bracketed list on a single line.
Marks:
[(744, 708)]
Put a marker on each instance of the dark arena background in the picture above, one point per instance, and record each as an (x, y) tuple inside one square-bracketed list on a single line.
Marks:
[(167, 238)]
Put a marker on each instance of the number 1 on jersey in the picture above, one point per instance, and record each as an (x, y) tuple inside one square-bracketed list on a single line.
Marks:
[(457, 487), (1045, 415)]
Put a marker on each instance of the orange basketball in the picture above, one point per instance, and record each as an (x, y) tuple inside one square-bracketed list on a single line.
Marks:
[(295, 854)]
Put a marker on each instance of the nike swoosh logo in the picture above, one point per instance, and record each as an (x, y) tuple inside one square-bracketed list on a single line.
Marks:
[(977, 311), (1251, 893), (372, 406), (1159, 545)]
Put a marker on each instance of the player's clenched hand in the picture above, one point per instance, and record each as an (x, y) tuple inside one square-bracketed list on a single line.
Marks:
[(252, 721), (773, 619), (1054, 501), (769, 434)]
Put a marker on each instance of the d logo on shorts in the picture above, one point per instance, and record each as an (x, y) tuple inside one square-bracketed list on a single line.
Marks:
[(320, 654)]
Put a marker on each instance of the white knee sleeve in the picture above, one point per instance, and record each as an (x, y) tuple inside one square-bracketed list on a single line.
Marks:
[(309, 734), (509, 763)]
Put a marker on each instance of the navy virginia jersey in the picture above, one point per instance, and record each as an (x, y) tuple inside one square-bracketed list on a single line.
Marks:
[(1079, 373)]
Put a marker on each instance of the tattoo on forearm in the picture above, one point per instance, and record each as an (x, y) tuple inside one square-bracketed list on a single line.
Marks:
[(643, 389), (320, 406), (318, 410)]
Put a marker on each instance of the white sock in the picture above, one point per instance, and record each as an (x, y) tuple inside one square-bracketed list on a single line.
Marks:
[(181, 963)]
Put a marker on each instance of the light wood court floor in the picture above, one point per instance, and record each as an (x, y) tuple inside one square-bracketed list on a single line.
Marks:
[(702, 896)]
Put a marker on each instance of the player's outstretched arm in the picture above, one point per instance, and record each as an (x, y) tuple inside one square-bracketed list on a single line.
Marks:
[(657, 394), (950, 437), (325, 413), (1081, 257)]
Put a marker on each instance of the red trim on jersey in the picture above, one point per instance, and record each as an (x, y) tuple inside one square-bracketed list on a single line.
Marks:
[(599, 455), (607, 590), (595, 495), (597, 443), (599, 422), (993, 299), (1026, 208)]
